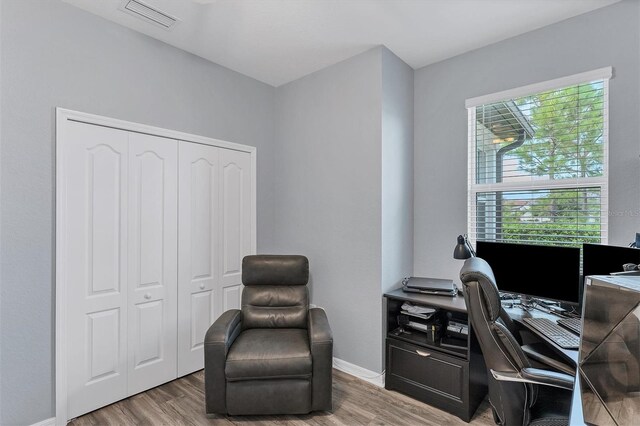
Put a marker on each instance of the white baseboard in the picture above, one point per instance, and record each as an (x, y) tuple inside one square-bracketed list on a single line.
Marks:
[(359, 372), (46, 422)]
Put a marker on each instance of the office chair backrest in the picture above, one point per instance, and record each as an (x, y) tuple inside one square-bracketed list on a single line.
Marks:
[(502, 352), (275, 293)]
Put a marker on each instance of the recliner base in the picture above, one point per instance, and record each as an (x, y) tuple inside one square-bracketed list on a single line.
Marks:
[(266, 397)]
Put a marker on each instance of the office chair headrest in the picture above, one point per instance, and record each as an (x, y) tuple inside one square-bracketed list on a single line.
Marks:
[(280, 270), (478, 270)]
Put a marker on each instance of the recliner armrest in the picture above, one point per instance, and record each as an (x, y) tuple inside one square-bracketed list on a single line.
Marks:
[(319, 329), (225, 329), (536, 376), (321, 343), (217, 342)]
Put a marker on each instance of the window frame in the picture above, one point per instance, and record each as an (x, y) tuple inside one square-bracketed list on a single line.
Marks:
[(601, 182)]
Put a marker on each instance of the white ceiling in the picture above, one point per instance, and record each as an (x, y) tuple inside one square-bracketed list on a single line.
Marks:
[(277, 41)]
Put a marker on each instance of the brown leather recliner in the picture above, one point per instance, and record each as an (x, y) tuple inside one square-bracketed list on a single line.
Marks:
[(274, 356)]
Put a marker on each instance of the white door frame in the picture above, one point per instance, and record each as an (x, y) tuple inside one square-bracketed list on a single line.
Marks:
[(63, 116)]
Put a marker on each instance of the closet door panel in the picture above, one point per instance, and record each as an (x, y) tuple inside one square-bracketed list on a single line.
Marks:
[(235, 224), (95, 182), (231, 298), (198, 265), (153, 240)]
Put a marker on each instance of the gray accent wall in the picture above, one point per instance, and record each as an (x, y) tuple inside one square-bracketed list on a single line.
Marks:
[(327, 195), (397, 177), (343, 194), (606, 37), (53, 54), (397, 170)]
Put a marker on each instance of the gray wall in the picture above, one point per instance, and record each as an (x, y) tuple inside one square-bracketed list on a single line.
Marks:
[(53, 55), (397, 170), (605, 37), (344, 191), (397, 176), (328, 197)]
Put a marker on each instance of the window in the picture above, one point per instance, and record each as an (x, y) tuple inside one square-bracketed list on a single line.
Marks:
[(538, 162)]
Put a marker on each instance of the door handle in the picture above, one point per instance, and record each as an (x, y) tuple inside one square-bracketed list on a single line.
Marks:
[(422, 353)]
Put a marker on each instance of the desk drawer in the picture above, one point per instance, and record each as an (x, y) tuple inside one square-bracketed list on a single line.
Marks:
[(428, 375)]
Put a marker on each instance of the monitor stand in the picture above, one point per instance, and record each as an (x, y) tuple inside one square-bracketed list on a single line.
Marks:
[(527, 302)]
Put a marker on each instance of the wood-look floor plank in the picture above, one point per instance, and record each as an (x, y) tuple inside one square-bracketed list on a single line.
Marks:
[(355, 402)]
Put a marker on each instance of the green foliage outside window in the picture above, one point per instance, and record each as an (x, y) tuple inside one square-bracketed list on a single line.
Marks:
[(568, 139), (567, 144)]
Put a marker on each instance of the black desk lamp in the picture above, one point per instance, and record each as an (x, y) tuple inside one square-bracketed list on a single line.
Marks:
[(463, 249)]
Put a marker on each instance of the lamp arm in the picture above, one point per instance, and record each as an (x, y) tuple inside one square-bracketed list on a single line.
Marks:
[(469, 246)]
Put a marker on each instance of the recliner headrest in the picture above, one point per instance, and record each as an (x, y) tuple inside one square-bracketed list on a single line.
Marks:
[(477, 269), (269, 269)]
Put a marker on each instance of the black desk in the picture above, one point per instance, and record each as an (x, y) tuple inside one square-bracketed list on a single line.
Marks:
[(569, 355), (466, 399), (518, 314)]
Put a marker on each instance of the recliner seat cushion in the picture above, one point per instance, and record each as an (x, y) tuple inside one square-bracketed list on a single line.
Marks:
[(262, 353)]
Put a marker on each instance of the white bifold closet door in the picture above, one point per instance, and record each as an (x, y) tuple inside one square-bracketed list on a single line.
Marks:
[(198, 248), (236, 223), (151, 232), (121, 232), (153, 261), (215, 234)]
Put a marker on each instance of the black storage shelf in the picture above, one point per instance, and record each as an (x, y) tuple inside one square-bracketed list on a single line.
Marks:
[(448, 378)]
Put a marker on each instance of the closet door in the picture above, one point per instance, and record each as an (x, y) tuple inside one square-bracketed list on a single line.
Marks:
[(95, 182), (235, 224), (153, 242), (198, 251)]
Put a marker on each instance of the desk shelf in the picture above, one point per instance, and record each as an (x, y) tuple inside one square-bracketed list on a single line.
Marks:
[(417, 365)]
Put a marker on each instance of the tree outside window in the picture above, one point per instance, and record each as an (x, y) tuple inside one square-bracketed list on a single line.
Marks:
[(540, 172)]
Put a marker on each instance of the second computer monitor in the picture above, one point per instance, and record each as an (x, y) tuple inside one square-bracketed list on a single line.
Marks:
[(546, 272), (602, 259)]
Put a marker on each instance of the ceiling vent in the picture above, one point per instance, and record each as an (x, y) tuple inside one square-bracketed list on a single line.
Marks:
[(150, 14)]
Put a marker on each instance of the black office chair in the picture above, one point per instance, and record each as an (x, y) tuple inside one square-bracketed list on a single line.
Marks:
[(514, 394)]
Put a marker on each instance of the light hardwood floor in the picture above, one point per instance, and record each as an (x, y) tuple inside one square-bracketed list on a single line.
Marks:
[(355, 402)]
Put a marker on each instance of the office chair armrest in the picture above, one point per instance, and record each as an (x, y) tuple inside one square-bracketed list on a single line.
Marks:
[(224, 330), (541, 353), (536, 376)]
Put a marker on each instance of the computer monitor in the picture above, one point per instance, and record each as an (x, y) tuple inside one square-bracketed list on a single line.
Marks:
[(600, 259), (545, 272)]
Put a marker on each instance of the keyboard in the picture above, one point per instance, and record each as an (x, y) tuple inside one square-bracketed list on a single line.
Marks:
[(552, 331), (573, 324)]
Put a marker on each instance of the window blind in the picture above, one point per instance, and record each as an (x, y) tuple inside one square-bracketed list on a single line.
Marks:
[(538, 166)]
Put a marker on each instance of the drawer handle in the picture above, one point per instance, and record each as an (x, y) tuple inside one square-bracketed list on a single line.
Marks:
[(422, 353), (202, 286), (147, 296)]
